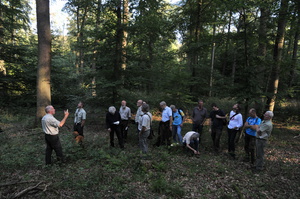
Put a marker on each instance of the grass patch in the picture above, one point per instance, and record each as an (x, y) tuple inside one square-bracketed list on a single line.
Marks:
[(98, 171)]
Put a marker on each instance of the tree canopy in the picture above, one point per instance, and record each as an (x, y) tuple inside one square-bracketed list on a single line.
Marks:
[(156, 50)]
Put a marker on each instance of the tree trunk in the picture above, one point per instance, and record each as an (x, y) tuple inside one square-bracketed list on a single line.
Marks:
[(295, 47), (194, 33), (278, 47), (95, 53), (212, 59), (44, 58), (118, 50), (234, 65), (80, 21), (264, 74), (225, 61), (125, 33)]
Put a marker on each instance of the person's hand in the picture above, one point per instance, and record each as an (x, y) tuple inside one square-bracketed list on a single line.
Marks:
[(196, 152), (209, 130), (109, 130), (66, 112), (181, 125), (259, 132)]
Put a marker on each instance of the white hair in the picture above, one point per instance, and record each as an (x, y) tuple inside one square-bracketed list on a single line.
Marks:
[(145, 107), (162, 103), (270, 113), (112, 109), (48, 108)]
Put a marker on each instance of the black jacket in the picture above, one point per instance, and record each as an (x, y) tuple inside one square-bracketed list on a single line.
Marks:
[(110, 119)]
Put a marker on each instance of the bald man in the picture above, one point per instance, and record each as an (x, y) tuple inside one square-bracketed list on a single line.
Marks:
[(125, 113)]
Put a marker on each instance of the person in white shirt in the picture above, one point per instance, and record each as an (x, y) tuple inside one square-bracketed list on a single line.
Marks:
[(50, 127), (191, 141), (164, 128), (145, 126), (234, 126), (125, 113), (79, 122), (138, 114)]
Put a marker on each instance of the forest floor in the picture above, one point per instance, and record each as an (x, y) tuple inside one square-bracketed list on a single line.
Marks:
[(98, 171)]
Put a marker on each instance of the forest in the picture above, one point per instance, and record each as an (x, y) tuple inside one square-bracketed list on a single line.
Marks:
[(220, 51)]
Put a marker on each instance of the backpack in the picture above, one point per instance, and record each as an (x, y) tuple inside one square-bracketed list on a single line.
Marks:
[(181, 113), (151, 135)]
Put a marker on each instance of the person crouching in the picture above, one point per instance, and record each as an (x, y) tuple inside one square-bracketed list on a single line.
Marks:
[(191, 141)]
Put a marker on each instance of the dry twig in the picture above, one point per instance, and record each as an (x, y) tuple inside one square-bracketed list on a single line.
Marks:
[(25, 191)]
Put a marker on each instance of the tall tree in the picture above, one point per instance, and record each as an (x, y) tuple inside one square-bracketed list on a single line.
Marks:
[(125, 32), (277, 56), (295, 45), (44, 58)]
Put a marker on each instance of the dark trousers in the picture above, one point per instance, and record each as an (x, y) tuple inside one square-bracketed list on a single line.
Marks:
[(194, 144), (53, 143), (216, 136), (260, 152), (231, 140), (198, 128), (78, 128), (164, 134), (116, 129), (250, 147), (124, 129)]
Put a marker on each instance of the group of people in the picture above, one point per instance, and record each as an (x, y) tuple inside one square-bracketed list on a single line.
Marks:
[(256, 131)]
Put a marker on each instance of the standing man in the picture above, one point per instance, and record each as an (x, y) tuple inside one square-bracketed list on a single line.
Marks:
[(216, 126), (144, 125), (178, 119), (79, 122), (263, 133), (164, 128), (251, 125), (50, 127), (235, 123), (113, 120), (125, 113), (138, 114), (199, 116)]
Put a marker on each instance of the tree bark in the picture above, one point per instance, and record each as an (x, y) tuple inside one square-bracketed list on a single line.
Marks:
[(125, 33), (95, 52), (295, 47), (44, 58), (194, 37), (225, 61), (277, 56)]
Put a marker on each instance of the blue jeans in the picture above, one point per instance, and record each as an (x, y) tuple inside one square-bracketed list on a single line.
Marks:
[(176, 131)]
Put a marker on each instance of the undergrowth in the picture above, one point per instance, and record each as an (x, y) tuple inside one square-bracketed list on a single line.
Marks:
[(98, 171)]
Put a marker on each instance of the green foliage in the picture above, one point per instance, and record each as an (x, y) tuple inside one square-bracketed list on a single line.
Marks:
[(98, 171)]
